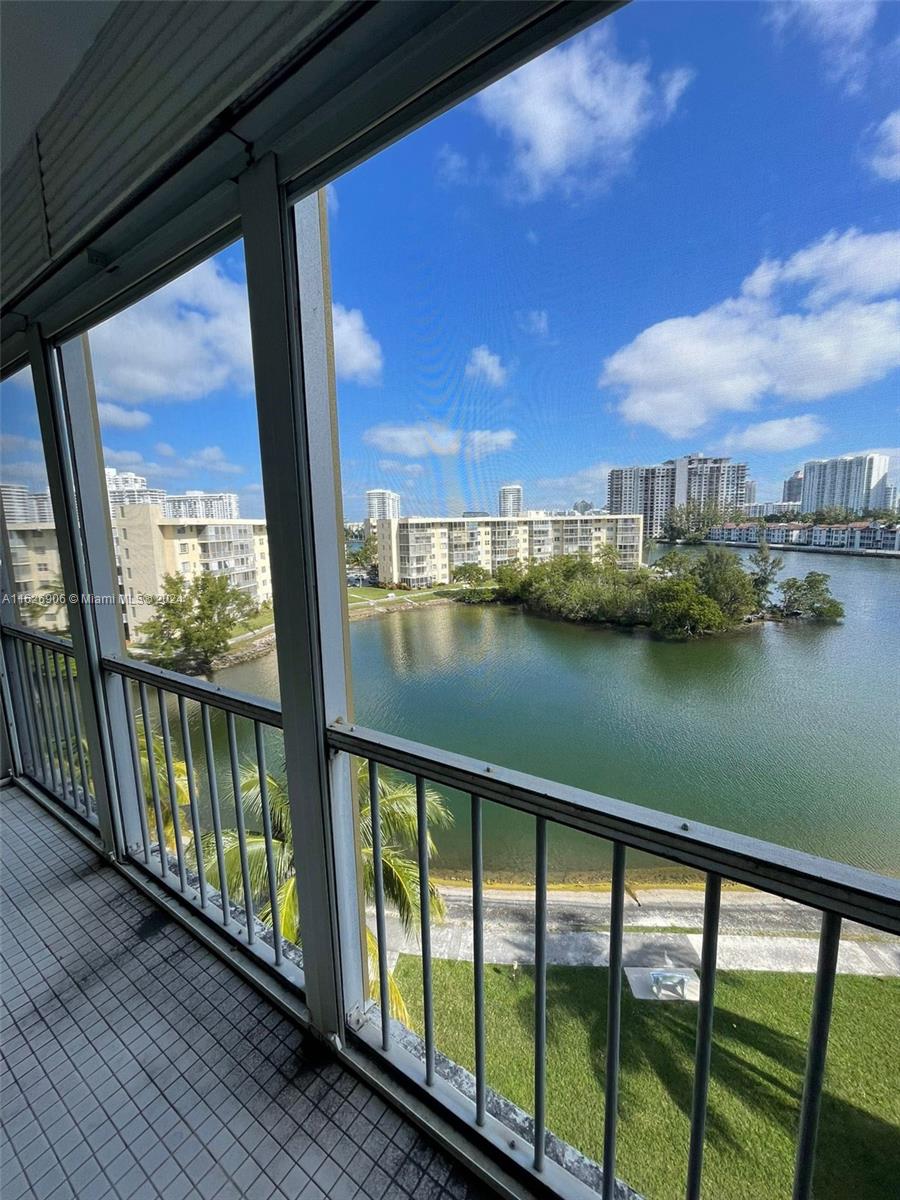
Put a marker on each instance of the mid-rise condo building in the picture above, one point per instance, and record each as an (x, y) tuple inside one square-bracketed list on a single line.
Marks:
[(203, 506), (150, 546), (855, 482), (694, 478), (124, 487), (420, 552), (21, 505)]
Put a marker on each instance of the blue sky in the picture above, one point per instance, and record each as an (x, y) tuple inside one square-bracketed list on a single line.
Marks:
[(678, 231)]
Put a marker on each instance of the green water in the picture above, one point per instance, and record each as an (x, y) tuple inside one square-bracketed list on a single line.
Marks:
[(785, 732)]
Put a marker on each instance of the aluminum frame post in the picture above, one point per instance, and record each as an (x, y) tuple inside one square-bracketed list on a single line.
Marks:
[(69, 514), (79, 401), (290, 321)]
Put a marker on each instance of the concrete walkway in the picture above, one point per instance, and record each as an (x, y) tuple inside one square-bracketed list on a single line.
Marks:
[(745, 943)]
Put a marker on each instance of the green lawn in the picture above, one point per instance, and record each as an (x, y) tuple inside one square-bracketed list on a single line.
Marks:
[(258, 621), (757, 1071), (367, 593)]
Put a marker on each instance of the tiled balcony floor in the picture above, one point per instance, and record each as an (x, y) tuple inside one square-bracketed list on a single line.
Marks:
[(138, 1065)]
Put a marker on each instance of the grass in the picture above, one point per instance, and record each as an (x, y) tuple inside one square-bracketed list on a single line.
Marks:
[(758, 1060), (367, 593), (258, 621)]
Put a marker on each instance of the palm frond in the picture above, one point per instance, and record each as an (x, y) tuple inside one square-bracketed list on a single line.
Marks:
[(396, 1003)]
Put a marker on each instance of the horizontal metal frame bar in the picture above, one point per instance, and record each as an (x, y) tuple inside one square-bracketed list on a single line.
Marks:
[(819, 882), (252, 707), (48, 640)]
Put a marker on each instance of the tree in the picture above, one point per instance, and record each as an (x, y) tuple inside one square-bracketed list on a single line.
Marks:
[(681, 610), (471, 574), (692, 522), (675, 564), (810, 597), (721, 577), (765, 568), (397, 806), (193, 622), (364, 556)]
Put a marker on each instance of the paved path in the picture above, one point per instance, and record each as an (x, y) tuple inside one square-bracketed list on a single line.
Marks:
[(758, 932)]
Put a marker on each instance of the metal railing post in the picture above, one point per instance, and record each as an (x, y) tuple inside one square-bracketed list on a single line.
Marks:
[(290, 320)]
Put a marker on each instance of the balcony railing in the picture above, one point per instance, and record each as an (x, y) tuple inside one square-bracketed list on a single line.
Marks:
[(198, 751)]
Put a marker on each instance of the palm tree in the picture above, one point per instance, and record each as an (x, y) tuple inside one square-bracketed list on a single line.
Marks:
[(397, 806), (181, 799)]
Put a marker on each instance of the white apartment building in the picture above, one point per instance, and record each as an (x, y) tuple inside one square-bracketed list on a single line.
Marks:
[(509, 500), (124, 487), (150, 546), (853, 481), (773, 508), (20, 505), (203, 506), (382, 505), (35, 569), (873, 536), (653, 491), (792, 489), (423, 551)]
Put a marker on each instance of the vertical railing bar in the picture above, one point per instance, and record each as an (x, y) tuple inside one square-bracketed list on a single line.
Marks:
[(79, 745), (136, 766), (67, 729), (161, 699), (215, 811), (42, 720), (380, 922), (154, 783), (54, 721), (820, 1024), (613, 1021), (705, 1016), (540, 991), (192, 797), (25, 687), (478, 959), (267, 836), (425, 914), (241, 832)]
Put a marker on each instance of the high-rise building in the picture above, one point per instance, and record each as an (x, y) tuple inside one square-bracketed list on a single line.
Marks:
[(583, 506), (124, 487), (509, 501), (382, 505), (750, 492), (423, 551), (853, 481), (20, 505), (793, 487), (653, 491), (203, 506)]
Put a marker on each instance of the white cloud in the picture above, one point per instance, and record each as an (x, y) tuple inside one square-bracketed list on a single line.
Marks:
[(392, 467), (785, 433), (13, 442), (481, 442), (576, 114), (190, 338), (842, 31), (531, 237), (117, 417), (414, 441), (451, 167), (884, 158), (164, 449), (422, 438), (123, 458), (484, 364), (357, 355), (851, 264), (676, 375), (536, 322), (181, 466), (31, 474), (211, 458), (588, 483)]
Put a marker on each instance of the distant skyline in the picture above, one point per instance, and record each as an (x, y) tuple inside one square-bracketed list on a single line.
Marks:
[(674, 233)]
